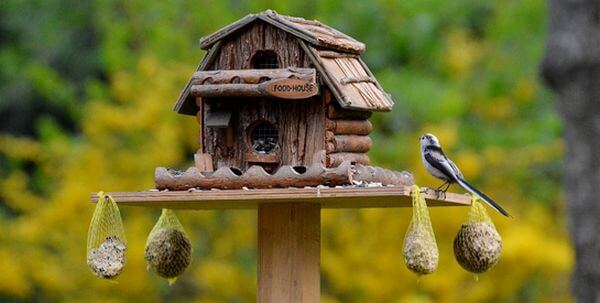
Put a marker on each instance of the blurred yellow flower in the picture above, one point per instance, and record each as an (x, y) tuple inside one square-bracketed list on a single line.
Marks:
[(15, 282), (462, 52), (525, 91), (470, 163), (500, 108)]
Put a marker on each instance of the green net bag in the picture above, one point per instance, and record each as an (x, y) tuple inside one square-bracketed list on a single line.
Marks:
[(477, 246), (420, 249), (106, 243), (168, 248)]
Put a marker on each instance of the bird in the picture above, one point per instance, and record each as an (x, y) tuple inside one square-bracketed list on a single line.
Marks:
[(438, 165)]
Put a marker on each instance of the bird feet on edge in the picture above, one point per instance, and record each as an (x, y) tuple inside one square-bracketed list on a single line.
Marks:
[(440, 194)]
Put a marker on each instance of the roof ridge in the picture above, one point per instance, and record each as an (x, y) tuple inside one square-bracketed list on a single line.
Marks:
[(312, 31)]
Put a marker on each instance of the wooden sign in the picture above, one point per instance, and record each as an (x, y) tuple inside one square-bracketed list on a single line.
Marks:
[(291, 88)]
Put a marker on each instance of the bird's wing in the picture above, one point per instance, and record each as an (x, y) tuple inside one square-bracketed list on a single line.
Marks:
[(455, 169), (440, 162)]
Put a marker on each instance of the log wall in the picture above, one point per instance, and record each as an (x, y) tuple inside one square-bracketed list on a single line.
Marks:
[(346, 134)]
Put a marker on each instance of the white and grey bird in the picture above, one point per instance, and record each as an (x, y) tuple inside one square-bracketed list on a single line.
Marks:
[(438, 165)]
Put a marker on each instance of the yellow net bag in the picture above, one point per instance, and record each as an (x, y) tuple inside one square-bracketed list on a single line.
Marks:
[(168, 248), (477, 246), (106, 243), (477, 213), (421, 253)]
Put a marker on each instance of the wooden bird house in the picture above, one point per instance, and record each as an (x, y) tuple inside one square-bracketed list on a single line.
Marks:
[(275, 90), (283, 105)]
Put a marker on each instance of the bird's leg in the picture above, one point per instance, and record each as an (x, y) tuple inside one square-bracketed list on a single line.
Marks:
[(441, 192), (441, 195), (448, 184), (440, 187)]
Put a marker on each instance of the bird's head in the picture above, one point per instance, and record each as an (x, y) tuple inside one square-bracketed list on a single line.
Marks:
[(429, 140)]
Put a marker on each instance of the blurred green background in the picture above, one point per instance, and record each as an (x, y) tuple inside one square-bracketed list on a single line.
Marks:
[(86, 90)]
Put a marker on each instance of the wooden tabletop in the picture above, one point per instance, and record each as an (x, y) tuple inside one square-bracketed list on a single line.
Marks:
[(340, 197)]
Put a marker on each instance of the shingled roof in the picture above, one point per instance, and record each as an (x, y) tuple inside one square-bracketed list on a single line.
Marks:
[(334, 54), (311, 31)]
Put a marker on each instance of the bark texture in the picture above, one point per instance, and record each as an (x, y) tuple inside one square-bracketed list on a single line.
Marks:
[(571, 67), (300, 123)]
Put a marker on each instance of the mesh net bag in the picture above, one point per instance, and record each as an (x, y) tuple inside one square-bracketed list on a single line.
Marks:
[(168, 248), (477, 246), (420, 249), (106, 243), (477, 213)]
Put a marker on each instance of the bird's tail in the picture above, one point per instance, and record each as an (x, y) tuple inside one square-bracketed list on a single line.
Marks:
[(485, 198)]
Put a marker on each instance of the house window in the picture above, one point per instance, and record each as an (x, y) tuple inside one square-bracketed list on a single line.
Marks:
[(265, 59), (263, 137)]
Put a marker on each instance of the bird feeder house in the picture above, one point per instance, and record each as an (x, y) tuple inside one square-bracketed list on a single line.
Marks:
[(283, 107)]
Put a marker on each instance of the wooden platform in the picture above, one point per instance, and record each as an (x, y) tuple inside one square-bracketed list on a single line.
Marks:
[(346, 197)]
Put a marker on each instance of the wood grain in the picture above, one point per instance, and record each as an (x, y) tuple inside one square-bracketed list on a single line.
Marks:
[(200, 120), (228, 90), (252, 76), (237, 51), (334, 111), (185, 104), (346, 197), (277, 88), (349, 127), (289, 253), (350, 143), (335, 159), (350, 80), (311, 31), (203, 162), (300, 124)]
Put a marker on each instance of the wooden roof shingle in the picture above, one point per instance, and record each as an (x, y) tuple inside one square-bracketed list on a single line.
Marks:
[(350, 80), (311, 31)]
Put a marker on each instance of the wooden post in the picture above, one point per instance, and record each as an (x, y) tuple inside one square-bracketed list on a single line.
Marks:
[(289, 252)]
